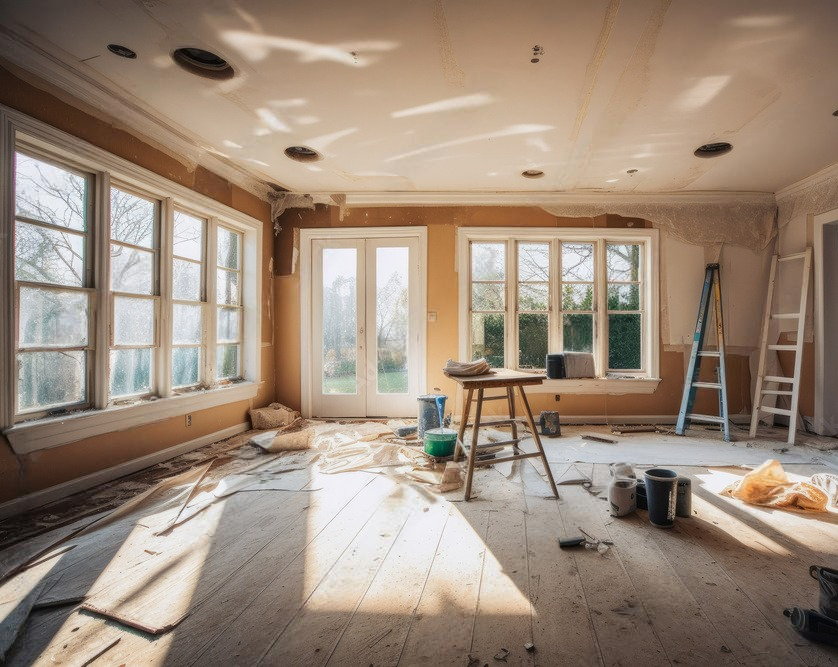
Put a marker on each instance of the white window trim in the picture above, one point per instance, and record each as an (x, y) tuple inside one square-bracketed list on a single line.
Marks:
[(46, 433), (640, 384)]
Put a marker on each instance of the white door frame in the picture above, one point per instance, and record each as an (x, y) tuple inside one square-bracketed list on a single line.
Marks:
[(306, 328), (826, 352)]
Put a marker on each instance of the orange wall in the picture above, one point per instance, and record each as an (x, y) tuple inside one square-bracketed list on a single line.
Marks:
[(20, 475), (442, 335)]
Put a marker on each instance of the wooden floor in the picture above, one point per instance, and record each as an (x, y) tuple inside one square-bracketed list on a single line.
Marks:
[(366, 569)]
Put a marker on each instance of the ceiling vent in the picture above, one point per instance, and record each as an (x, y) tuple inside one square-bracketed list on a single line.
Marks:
[(713, 150), (203, 63), (532, 173), (122, 51), (303, 154)]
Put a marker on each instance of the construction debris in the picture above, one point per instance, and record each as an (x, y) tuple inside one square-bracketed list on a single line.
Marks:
[(600, 438)]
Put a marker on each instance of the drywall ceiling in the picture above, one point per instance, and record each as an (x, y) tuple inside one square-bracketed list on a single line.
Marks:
[(434, 96)]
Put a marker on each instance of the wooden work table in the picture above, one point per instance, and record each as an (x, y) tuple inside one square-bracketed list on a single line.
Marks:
[(499, 379)]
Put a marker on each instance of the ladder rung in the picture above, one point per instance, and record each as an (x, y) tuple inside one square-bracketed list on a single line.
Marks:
[(707, 385), (787, 258), (777, 378), (775, 411), (790, 348), (777, 392), (706, 418), (785, 316), (709, 353)]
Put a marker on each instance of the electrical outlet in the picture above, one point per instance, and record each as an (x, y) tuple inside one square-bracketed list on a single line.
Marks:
[(188, 420), (558, 398)]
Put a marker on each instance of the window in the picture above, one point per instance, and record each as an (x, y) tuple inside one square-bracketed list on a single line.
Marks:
[(126, 287), (530, 292)]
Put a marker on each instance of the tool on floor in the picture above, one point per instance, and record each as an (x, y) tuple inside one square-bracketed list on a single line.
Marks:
[(712, 282), (770, 385), (812, 625)]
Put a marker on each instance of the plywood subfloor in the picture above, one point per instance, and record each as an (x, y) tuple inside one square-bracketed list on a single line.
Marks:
[(366, 569)]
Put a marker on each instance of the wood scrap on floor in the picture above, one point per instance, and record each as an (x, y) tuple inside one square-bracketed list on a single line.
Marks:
[(596, 437)]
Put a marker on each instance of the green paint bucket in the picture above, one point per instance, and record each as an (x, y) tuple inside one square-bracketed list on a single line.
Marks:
[(440, 441)]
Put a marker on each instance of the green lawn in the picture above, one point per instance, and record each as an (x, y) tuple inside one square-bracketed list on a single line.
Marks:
[(389, 382)]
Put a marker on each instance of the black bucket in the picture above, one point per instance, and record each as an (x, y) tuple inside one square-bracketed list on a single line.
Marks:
[(828, 580), (661, 496)]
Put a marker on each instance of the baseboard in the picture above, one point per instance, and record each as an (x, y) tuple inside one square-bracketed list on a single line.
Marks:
[(38, 498), (621, 419)]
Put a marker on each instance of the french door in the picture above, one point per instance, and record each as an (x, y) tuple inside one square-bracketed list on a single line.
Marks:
[(367, 326)]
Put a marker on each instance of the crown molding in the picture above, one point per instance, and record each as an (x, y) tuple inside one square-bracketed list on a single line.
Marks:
[(23, 50)]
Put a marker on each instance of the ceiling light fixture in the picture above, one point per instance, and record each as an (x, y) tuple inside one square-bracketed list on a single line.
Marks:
[(713, 150), (203, 63), (532, 173), (303, 154), (122, 51)]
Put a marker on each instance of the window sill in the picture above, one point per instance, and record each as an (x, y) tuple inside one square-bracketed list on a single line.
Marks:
[(609, 385), (52, 432)]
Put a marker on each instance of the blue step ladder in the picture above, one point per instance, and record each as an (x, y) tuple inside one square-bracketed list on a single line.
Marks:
[(712, 282)]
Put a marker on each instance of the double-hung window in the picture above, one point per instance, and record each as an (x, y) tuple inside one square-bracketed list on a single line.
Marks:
[(525, 293), (125, 287)]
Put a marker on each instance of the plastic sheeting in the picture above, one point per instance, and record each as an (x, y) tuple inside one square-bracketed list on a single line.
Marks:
[(770, 486), (816, 196)]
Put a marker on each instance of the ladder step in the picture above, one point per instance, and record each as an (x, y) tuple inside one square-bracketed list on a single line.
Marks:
[(790, 348), (709, 353), (706, 418), (775, 411), (777, 392), (777, 378), (788, 258), (707, 385), (785, 316)]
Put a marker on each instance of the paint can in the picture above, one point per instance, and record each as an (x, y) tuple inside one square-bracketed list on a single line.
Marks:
[(684, 499), (554, 364), (622, 496), (549, 422), (428, 416), (661, 495)]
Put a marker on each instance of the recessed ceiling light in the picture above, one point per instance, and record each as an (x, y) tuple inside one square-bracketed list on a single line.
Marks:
[(122, 51), (203, 63), (532, 173), (713, 150), (631, 172), (835, 113), (303, 154)]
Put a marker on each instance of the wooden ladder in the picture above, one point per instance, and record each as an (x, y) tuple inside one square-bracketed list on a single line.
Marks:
[(764, 380), (712, 282)]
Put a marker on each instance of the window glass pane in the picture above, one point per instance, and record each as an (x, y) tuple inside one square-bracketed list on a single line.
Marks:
[(48, 256), (488, 296), (578, 262), (131, 270), (577, 297), (130, 372), (623, 261), (49, 193), (578, 332), (132, 219), (186, 280), (532, 340), (186, 324), (624, 297), (487, 336), (534, 262), (227, 361), (228, 248), (51, 379), (133, 321), (488, 261), (228, 324), (227, 287), (391, 319), (624, 342), (339, 320), (188, 236), (52, 318), (533, 296), (185, 364)]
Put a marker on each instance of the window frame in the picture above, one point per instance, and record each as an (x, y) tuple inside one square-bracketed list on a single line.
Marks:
[(605, 382), (30, 431)]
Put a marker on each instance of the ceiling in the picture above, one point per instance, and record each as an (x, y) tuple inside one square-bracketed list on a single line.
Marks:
[(433, 96)]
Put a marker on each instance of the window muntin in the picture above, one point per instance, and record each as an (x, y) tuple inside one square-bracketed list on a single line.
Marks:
[(188, 270), (598, 291), (52, 275), (488, 302), (134, 230), (229, 309)]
